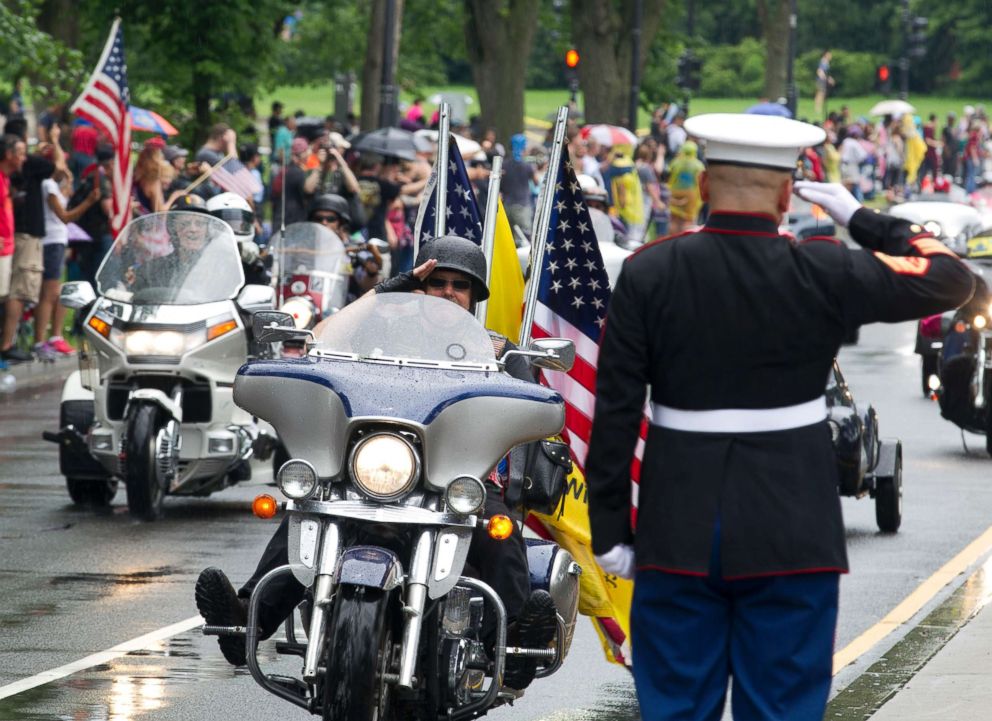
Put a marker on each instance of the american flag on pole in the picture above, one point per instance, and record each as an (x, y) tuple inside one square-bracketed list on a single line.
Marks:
[(105, 102), (461, 206), (233, 176), (572, 299)]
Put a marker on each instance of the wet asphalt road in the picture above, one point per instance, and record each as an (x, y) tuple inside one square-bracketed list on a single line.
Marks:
[(74, 582)]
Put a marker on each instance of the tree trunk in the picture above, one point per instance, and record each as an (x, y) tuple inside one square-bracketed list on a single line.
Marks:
[(374, 54), (774, 18), (601, 32), (498, 39)]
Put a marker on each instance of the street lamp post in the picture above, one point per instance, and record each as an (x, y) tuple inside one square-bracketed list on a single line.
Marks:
[(387, 95)]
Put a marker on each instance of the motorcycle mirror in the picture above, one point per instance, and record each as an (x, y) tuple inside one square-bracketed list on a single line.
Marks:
[(256, 297), (558, 354), (77, 294), (270, 326), (379, 243)]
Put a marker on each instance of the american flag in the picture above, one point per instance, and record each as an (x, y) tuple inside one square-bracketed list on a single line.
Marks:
[(461, 206), (232, 175), (572, 298), (105, 102)]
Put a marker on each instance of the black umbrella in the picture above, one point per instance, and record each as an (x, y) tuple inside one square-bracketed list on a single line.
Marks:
[(390, 142)]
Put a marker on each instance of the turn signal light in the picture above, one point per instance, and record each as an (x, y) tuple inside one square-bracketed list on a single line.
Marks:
[(216, 331), (100, 326), (960, 327), (264, 506), (500, 527)]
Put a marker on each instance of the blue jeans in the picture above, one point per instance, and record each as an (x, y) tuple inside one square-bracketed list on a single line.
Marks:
[(773, 636)]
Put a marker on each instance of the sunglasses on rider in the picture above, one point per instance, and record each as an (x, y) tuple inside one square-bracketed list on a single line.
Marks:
[(439, 283), (332, 218)]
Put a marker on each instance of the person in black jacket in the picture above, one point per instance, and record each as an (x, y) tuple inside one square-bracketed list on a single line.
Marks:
[(455, 269), (731, 330)]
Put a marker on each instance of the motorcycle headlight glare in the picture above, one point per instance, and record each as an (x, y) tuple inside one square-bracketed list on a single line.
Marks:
[(154, 343), (934, 228), (297, 479), (384, 466), (302, 310), (465, 495), (979, 322)]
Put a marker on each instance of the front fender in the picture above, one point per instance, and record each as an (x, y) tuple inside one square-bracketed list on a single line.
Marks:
[(369, 566), (158, 397)]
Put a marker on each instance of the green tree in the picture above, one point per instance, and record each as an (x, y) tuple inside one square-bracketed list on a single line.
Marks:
[(498, 40), (601, 30), (183, 53), (55, 70), (774, 17)]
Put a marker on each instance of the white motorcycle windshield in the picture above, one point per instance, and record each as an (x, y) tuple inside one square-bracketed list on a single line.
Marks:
[(407, 326), (304, 248), (172, 258)]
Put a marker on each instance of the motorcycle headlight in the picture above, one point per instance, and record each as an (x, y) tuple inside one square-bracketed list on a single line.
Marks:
[(297, 479), (154, 343), (979, 322), (935, 228), (302, 310), (465, 495), (384, 466)]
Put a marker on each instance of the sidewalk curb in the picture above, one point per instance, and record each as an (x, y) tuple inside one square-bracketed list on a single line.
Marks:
[(888, 676), (36, 373)]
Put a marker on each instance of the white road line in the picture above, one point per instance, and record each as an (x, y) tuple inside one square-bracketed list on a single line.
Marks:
[(135, 644)]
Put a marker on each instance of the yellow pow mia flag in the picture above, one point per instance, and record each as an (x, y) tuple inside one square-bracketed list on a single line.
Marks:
[(505, 310), (603, 597)]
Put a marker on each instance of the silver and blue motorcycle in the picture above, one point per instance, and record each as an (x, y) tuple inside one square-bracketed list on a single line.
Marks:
[(392, 420)]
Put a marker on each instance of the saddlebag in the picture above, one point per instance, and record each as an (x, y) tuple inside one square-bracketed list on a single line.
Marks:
[(538, 476)]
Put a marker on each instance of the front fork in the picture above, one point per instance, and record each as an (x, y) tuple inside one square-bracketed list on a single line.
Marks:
[(413, 610), (978, 391)]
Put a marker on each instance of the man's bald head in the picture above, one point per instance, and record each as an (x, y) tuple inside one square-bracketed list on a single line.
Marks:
[(740, 188)]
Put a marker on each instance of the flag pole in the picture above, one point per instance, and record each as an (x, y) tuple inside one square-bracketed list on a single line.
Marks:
[(210, 171), (443, 143), (489, 231), (541, 227)]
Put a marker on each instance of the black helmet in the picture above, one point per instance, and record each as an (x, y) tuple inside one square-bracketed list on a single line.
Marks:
[(190, 203), (333, 204), (454, 253)]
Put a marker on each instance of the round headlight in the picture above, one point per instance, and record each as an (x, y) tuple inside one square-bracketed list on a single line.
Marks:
[(934, 228), (465, 495), (297, 479), (384, 465), (302, 310), (979, 322)]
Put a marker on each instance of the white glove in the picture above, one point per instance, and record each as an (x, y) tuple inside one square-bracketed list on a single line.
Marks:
[(249, 252), (832, 197), (619, 561)]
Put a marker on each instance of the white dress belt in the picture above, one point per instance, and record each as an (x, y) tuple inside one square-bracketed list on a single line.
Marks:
[(740, 420)]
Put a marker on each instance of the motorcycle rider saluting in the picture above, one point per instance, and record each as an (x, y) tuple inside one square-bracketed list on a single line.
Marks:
[(452, 268)]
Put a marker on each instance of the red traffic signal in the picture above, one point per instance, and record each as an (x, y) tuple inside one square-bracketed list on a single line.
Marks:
[(572, 58), (883, 73)]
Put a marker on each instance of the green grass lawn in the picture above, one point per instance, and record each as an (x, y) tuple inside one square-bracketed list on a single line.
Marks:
[(542, 104)]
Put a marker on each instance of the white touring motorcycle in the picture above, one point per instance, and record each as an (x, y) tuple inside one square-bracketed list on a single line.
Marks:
[(391, 420), (165, 334)]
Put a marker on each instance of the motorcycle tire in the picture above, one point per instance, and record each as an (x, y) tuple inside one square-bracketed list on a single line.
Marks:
[(888, 498), (357, 656), (85, 478), (144, 491)]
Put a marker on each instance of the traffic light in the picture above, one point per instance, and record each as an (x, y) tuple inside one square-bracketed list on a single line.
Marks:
[(572, 71), (883, 79), (688, 71), (916, 36)]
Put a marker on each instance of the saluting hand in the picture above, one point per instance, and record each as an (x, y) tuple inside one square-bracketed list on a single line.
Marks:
[(832, 197)]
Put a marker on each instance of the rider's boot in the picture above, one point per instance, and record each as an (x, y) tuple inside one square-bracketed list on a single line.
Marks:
[(219, 605), (534, 628)]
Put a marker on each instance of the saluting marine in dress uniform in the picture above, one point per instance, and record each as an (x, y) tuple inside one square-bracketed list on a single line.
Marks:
[(732, 330)]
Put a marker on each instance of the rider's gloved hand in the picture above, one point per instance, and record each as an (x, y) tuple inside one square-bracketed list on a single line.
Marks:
[(832, 197), (400, 283), (619, 561)]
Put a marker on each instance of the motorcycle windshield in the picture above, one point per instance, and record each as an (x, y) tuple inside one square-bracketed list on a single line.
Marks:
[(172, 258), (407, 326), (304, 248)]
